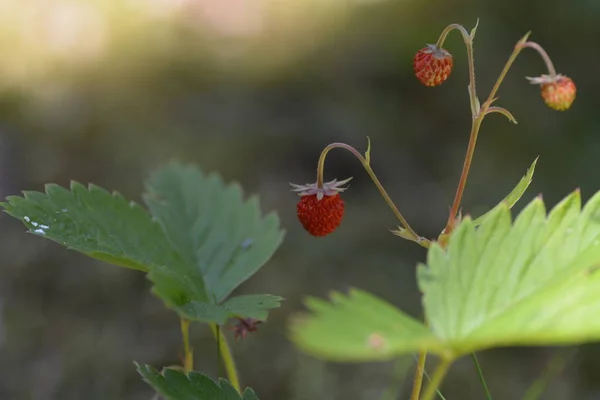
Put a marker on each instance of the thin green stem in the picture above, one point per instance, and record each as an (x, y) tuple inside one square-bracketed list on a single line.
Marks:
[(418, 379), (365, 163), (188, 360), (488, 395), (475, 132), (226, 357), (436, 379)]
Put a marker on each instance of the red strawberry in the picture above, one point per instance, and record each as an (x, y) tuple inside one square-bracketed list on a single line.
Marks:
[(432, 65), (320, 210), (558, 92)]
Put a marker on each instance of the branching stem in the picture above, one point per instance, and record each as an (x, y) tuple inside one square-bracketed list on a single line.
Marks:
[(477, 120), (478, 113)]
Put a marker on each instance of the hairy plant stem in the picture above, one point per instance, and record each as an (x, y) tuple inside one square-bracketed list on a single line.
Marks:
[(468, 39), (476, 124), (543, 54), (436, 379), (226, 357), (365, 163), (188, 357)]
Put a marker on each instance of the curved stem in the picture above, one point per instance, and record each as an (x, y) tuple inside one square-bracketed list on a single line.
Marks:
[(188, 363), (418, 379), (488, 395), (471, 61), (545, 56), (365, 163), (227, 357), (436, 379), (475, 132)]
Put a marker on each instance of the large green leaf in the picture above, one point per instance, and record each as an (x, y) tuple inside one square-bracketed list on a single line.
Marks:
[(359, 327), (175, 385), (515, 194), (194, 269), (93, 221), (533, 282), (223, 239)]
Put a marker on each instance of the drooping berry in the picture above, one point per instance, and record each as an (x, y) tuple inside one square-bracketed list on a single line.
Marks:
[(432, 65), (558, 92), (320, 210)]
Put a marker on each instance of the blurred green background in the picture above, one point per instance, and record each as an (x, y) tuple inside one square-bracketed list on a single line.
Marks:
[(103, 91)]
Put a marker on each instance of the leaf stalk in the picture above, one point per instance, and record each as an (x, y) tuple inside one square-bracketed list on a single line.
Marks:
[(226, 357)]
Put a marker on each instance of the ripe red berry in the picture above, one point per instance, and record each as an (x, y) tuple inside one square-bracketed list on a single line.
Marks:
[(320, 217), (432, 65), (320, 209), (558, 92)]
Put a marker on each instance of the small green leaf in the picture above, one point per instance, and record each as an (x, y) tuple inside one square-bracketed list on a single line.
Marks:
[(223, 239), (532, 282), (514, 196), (359, 327), (93, 221), (176, 385)]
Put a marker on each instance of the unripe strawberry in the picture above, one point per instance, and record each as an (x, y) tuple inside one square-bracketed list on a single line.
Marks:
[(432, 65), (320, 210), (558, 92)]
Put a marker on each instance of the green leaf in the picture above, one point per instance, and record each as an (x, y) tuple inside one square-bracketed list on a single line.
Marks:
[(514, 196), (532, 282), (93, 221), (359, 327), (204, 241), (223, 239), (176, 385)]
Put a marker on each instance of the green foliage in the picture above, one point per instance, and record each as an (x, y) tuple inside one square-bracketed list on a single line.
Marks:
[(202, 243), (534, 281), (175, 385), (96, 223), (222, 238)]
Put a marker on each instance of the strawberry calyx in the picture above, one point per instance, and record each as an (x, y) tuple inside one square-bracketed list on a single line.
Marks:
[(437, 52), (330, 188), (546, 79)]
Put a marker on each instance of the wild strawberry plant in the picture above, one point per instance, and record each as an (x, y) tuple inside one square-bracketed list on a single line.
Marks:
[(487, 282)]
